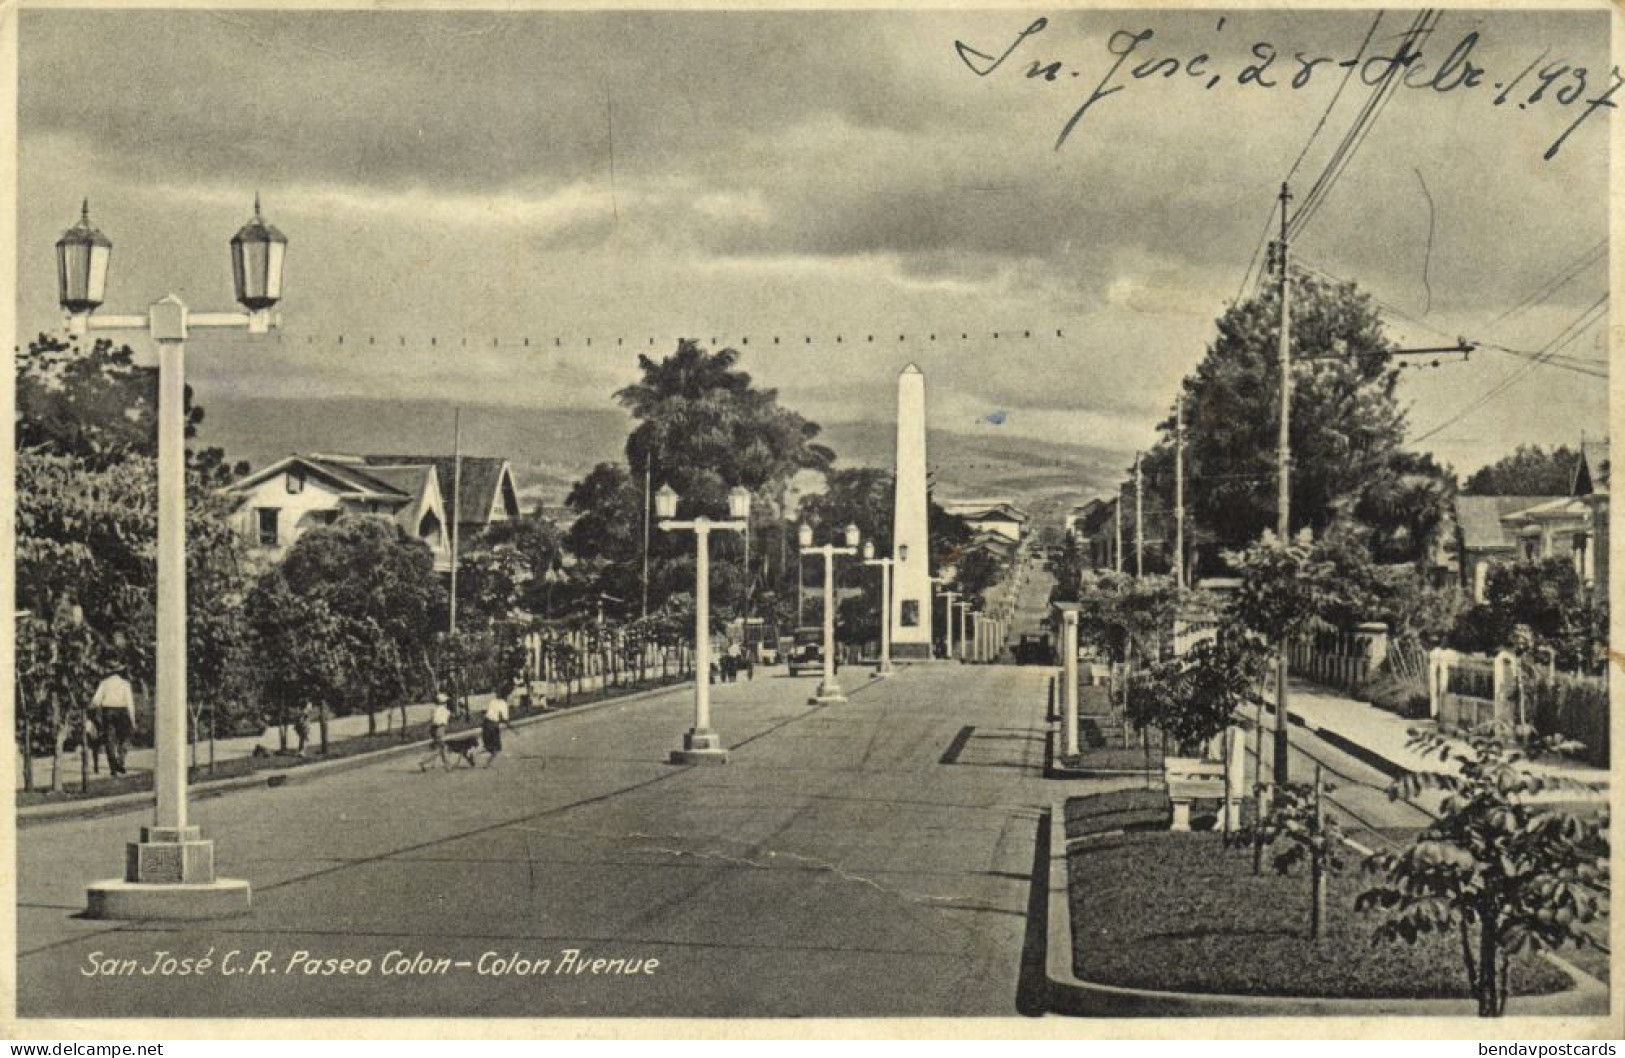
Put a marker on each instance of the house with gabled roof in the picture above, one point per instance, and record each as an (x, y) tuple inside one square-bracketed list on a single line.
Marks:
[(995, 516), (1500, 529), (484, 485), (280, 502)]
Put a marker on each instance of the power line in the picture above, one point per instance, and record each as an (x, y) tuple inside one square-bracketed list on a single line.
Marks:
[(1562, 279), (1579, 364), (1595, 312), (601, 342), (1421, 27), (1344, 83)]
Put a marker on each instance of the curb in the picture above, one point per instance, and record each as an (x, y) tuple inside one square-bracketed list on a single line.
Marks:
[(41, 815), (1072, 995)]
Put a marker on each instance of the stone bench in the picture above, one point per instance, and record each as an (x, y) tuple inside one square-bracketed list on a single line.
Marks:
[(1190, 778)]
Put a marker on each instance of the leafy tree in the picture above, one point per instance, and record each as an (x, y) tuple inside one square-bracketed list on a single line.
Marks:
[(1346, 424), (1503, 872), (1544, 597), (860, 496), (1529, 471), (704, 428), (98, 405), (511, 570), (1285, 590), (976, 572), (373, 597), (1194, 697), (1301, 832)]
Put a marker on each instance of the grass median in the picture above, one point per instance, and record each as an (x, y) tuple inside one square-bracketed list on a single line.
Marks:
[(1180, 912)]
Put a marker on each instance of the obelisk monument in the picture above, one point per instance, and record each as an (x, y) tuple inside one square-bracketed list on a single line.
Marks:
[(911, 543)]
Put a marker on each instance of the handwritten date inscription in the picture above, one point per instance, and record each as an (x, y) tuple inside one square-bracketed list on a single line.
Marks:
[(1133, 58)]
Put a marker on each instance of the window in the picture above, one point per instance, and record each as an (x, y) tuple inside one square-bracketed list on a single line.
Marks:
[(296, 482), (909, 613), (267, 519)]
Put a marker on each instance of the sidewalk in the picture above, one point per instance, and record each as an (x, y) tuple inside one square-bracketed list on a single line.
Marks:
[(339, 728), (1381, 737)]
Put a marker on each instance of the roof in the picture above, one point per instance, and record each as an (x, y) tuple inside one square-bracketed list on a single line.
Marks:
[(1479, 518), (1591, 470), (347, 476), (476, 485), (985, 509)]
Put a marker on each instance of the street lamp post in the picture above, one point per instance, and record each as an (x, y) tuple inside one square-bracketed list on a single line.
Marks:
[(885, 565), (169, 872), (701, 745), (829, 690)]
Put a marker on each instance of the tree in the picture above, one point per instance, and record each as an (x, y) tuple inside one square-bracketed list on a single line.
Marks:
[(372, 596), (86, 486), (1529, 471), (1544, 597), (1286, 590), (704, 428), (1299, 824), (1192, 698), (1503, 872), (100, 406), (1346, 424)]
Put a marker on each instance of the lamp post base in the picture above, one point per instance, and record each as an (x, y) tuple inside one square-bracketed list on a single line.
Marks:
[(828, 694), (700, 747), (168, 874)]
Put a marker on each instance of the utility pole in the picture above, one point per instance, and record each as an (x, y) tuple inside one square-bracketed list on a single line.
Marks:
[(1283, 460), (646, 483), (1179, 492), (1117, 514), (1139, 519), (455, 514)]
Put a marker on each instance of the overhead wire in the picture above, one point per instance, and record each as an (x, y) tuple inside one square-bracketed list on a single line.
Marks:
[(1418, 31), (1579, 325)]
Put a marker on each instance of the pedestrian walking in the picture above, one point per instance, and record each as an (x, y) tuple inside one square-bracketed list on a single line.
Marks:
[(496, 718), (114, 703), (439, 720), (301, 726), (731, 661)]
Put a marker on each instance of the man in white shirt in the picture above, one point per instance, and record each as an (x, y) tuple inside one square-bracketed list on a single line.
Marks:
[(496, 718), (115, 705), (439, 720)]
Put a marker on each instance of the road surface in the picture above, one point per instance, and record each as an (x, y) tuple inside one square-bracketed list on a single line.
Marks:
[(869, 858)]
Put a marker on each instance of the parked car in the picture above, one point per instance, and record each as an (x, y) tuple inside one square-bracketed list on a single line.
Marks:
[(1034, 649), (806, 651)]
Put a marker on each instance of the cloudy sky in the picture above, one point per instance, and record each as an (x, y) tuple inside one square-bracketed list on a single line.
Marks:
[(543, 175)]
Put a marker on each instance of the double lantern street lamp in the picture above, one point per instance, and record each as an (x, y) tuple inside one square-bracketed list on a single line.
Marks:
[(829, 690), (885, 564), (169, 872), (701, 745)]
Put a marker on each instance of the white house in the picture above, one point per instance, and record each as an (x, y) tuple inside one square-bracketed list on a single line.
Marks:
[(997, 516), (276, 504)]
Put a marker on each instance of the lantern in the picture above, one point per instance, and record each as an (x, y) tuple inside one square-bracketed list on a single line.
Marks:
[(666, 502), (257, 251), (852, 536), (804, 534), (81, 265), (739, 503), (868, 550)]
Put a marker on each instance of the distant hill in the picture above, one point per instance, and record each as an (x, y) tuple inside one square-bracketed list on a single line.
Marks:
[(551, 449)]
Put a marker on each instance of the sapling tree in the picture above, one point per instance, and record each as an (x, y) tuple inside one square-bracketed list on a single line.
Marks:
[(1505, 872), (1300, 832)]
